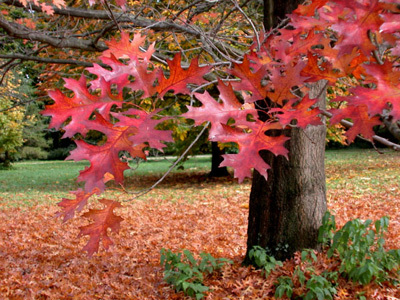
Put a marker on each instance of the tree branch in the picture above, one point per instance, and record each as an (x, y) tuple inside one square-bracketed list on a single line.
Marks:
[(376, 138), (49, 60), (134, 21), (22, 32)]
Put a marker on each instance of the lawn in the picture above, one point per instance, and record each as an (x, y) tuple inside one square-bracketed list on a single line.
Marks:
[(40, 257)]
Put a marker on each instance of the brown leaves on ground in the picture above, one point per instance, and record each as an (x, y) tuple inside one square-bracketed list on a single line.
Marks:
[(40, 258)]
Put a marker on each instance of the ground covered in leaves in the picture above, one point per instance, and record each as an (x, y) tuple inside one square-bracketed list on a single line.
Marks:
[(40, 257)]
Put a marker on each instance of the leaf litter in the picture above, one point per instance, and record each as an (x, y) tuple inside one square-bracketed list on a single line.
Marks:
[(41, 258)]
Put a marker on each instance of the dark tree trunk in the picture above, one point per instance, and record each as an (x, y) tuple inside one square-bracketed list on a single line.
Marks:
[(285, 212), (216, 159)]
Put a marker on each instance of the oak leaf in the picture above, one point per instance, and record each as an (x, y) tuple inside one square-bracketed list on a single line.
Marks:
[(250, 81), (97, 231), (219, 113), (124, 48), (69, 206), (250, 143), (80, 107), (300, 111), (105, 158), (179, 78), (362, 122)]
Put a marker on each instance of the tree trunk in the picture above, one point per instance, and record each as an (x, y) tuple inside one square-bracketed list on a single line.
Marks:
[(285, 211), (216, 159)]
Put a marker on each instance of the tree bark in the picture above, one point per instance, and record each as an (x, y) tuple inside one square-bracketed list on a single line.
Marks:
[(285, 211), (216, 160)]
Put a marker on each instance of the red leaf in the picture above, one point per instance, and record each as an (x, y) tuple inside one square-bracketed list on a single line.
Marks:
[(309, 10), (121, 73), (250, 143), (317, 71), (386, 95), (250, 81), (97, 231), (219, 113), (362, 123), (179, 77), (69, 206), (124, 48), (129, 134), (354, 23), (283, 81), (80, 107), (145, 124), (300, 112), (105, 158)]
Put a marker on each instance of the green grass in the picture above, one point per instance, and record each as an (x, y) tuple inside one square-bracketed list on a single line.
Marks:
[(34, 182), (363, 171)]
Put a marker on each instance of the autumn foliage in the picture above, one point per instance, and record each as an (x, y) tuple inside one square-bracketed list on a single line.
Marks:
[(325, 40)]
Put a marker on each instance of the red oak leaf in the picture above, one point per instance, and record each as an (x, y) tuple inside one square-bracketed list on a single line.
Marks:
[(300, 44), (179, 77), (386, 95), (299, 111), (69, 206), (120, 74), (362, 123), (80, 107), (392, 23), (250, 143), (145, 123), (250, 81), (47, 9), (316, 70), (105, 158), (309, 10), (219, 113), (349, 63), (97, 231), (124, 48), (283, 82), (354, 23)]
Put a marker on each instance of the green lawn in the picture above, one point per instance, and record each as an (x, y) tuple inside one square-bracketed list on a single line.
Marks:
[(34, 182)]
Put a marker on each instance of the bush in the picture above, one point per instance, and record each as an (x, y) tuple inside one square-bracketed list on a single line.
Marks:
[(186, 274), (33, 153), (59, 153)]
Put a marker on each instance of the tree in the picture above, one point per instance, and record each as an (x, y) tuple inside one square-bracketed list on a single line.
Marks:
[(12, 118), (286, 210), (274, 88)]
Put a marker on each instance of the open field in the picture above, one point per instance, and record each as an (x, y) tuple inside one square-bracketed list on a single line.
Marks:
[(40, 257)]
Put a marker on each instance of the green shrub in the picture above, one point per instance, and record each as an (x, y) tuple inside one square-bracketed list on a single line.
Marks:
[(359, 247), (186, 273), (261, 259), (33, 153), (59, 153)]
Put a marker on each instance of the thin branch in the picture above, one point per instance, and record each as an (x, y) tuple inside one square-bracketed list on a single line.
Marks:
[(111, 14), (145, 191), (250, 22)]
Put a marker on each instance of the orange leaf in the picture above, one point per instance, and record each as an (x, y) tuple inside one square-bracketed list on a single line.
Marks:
[(97, 231)]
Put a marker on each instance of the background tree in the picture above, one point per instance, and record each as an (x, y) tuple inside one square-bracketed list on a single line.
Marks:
[(14, 90)]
